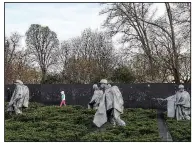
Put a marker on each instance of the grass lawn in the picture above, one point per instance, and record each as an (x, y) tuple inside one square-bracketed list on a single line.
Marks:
[(179, 130), (74, 123)]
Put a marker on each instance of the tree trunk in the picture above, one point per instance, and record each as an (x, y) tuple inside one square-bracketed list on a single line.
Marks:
[(176, 76), (44, 76), (174, 47)]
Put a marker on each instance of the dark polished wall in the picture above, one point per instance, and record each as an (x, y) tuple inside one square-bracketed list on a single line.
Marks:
[(134, 95)]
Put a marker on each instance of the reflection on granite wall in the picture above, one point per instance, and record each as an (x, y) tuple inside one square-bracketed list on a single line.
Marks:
[(135, 95)]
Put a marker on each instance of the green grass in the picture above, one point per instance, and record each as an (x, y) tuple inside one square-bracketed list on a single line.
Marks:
[(179, 130), (74, 123)]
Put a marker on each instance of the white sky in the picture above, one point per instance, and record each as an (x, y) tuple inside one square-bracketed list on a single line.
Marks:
[(66, 19)]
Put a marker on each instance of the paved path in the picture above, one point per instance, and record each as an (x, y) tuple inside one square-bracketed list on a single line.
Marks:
[(163, 129)]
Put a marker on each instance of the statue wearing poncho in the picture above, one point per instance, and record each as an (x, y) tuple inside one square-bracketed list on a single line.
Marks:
[(110, 107), (94, 103), (183, 110), (178, 105), (19, 99)]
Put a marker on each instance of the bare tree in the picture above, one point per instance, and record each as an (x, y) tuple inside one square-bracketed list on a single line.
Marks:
[(185, 69), (169, 36), (16, 62), (159, 40), (86, 58), (11, 44), (42, 44), (64, 52), (127, 22), (167, 25)]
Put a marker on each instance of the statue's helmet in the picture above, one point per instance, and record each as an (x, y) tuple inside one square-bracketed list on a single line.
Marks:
[(19, 81), (103, 81), (181, 86)]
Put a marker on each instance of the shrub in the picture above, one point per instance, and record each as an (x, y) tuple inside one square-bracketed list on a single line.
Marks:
[(179, 130), (75, 123)]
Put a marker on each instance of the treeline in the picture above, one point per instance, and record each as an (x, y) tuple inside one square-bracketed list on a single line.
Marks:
[(156, 49)]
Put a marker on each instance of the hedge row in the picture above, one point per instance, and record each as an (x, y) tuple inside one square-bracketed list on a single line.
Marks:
[(74, 123), (179, 130)]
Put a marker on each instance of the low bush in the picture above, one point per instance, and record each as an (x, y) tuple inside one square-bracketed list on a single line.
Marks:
[(75, 123), (179, 130)]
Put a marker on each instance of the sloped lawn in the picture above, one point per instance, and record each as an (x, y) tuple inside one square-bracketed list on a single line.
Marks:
[(74, 123), (179, 130)]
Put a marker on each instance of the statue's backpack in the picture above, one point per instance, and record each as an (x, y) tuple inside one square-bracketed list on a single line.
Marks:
[(118, 99)]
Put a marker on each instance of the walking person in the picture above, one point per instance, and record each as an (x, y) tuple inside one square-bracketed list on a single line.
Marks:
[(62, 99)]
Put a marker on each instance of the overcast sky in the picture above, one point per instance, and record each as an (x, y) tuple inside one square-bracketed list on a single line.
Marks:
[(66, 19)]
